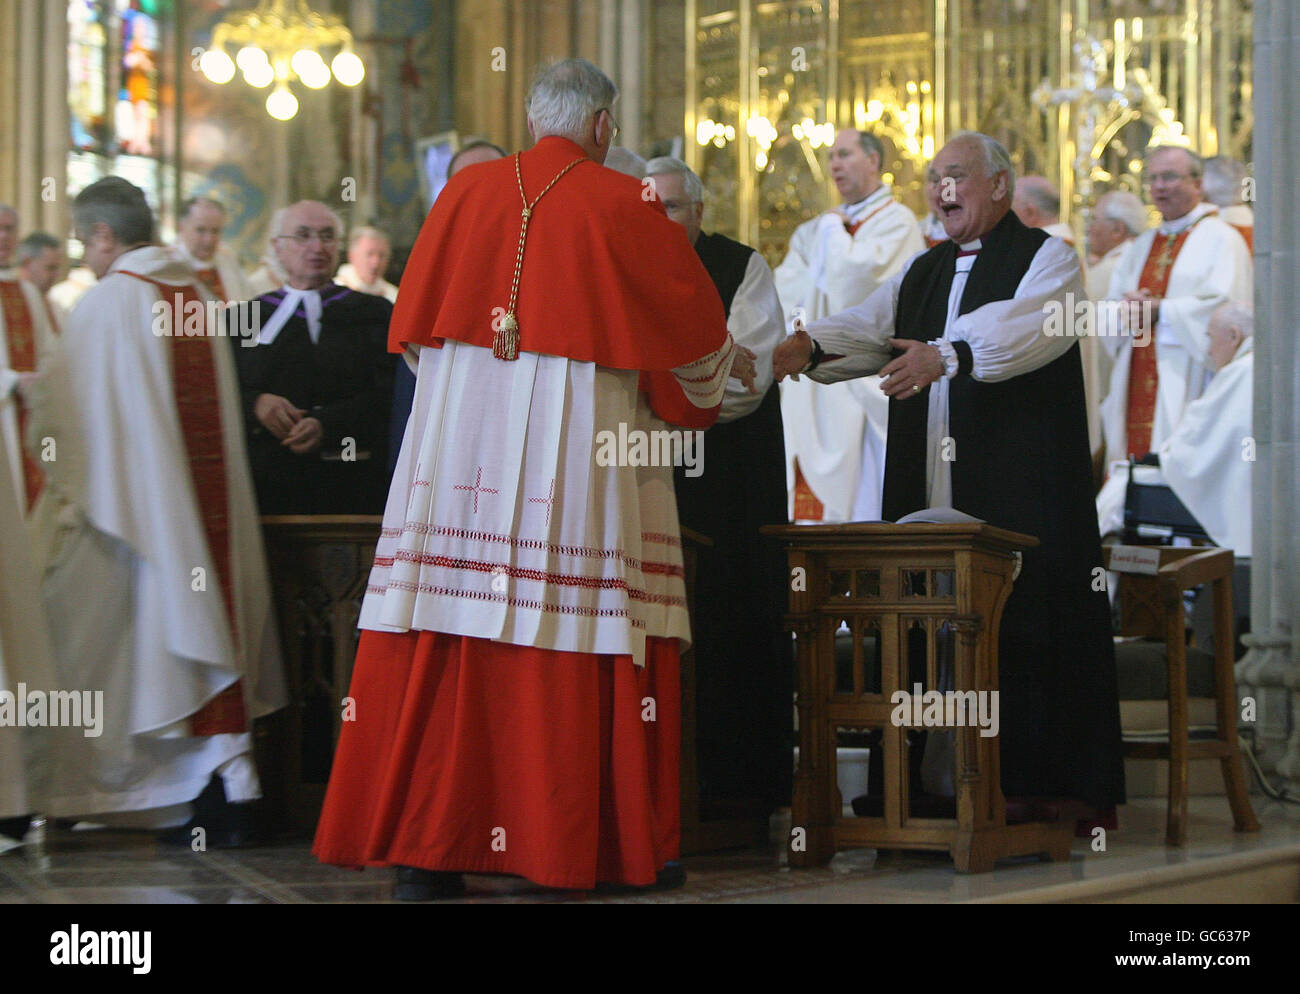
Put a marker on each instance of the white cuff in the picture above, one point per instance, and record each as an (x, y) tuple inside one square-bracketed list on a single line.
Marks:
[(949, 355)]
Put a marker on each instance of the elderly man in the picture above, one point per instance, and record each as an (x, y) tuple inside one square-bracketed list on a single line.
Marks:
[(1205, 459), (178, 632), (1038, 205), (743, 665), (40, 257), (199, 246), (1117, 219), (368, 253), (319, 381), (1165, 287), (835, 438), (516, 681), (1225, 187), (987, 416)]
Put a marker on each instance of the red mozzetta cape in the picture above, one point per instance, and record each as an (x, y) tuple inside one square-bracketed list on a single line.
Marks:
[(607, 278)]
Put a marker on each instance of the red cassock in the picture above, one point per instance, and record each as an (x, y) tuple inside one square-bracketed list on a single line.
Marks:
[(474, 755)]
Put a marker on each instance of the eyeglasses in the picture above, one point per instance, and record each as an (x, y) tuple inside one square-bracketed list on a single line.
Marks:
[(614, 137), (1166, 178), (672, 206), (326, 236)]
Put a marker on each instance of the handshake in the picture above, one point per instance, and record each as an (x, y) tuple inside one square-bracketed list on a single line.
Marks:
[(919, 365)]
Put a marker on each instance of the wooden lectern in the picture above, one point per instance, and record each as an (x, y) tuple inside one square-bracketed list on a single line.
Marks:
[(902, 593)]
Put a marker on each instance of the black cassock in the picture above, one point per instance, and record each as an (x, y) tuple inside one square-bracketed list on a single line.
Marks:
[(1023, 463), (743, 657), (345, 380)]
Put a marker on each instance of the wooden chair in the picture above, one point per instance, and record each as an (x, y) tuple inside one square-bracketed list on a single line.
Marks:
[(1151, 606)]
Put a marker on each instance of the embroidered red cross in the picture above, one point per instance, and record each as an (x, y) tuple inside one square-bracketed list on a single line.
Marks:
[(548, 500), (477, 488)]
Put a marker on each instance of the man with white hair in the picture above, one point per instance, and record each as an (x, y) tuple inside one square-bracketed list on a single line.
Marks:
[(1207, 458), (198, 245), (1225, 187), (368, 253), (1156, 319), (742, 653), (987, 416), (516, 682), (1038, 205), (835, 437), (177, 629), (1117, 219), (317, 385)]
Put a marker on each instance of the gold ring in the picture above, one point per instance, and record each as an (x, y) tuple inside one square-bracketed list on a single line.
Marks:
[(916, 388)]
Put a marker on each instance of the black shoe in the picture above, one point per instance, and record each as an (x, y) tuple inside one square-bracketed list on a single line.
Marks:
[(225, 824), (671, 877), (15, 828), (415, 884)]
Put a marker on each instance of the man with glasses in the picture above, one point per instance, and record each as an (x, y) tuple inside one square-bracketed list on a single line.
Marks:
[(157, 591), (317, 385), (835, 436), (1164, 289)]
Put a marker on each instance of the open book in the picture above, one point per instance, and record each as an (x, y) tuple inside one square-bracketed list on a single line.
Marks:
[(928, 516)]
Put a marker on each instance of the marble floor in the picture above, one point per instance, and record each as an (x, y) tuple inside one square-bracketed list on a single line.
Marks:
[(93, 867)]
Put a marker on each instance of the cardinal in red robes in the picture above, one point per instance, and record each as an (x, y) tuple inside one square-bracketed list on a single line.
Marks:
[(514, 706)]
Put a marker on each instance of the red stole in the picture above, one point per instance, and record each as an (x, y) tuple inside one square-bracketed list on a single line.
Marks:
[(852, 229), (211, 278), (806, 505), (1143, 375), (194, 390), (22, 359)]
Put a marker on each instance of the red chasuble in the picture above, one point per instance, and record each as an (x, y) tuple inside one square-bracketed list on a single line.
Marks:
[(211, 278), (22, 359), (457, 281), (194, 390), (1143, 375)]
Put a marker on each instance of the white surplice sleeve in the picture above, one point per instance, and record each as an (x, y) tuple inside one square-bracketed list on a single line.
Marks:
[(756, 322), (856, 342), (704, 380), (1007, 338)]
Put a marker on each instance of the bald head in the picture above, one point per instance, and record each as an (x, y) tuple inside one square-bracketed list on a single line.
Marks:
[(368, 252), (1037, 202), (472, 154), (305, 237), (8, 234), (1230, 325)]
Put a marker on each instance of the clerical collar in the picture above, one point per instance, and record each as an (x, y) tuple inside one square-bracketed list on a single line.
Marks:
[(1179, 225), (854, 210), (307, 304), (969, 248)]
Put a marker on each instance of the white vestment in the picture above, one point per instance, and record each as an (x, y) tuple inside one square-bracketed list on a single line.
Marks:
[(134, 600), (1006, 339), (24, 658), (1098, 363), (756, 322), (521, 508), (1061, 230), (838, 434), (1212, 267), (66, 294), (1238, 215), (1204, 460), (348, 276), (233, 280)]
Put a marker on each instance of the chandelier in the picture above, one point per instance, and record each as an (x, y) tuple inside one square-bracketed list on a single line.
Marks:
[(274, 43)]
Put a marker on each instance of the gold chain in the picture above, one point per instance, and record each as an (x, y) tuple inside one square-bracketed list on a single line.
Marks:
[(505, 343)]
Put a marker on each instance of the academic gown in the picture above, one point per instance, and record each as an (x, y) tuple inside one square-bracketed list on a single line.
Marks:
[(743, 664), (517, 679), (1015, 411), (345, 380)]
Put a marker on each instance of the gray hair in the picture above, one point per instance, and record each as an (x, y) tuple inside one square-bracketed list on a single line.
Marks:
[(1195, 164), (277, 219), (1126, 208), (117, 203), (1235, 315), (34, 244), (624, 160), (666, 164), (1223, 180), (996, 159), (366, 231), (872, 146), (566, 96)]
